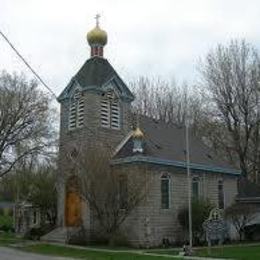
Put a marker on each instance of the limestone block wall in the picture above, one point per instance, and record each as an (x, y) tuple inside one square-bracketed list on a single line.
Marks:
[(85, 138), (149, 224)]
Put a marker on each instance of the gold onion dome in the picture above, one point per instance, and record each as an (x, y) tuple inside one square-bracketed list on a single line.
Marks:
[(138, 133), (97, 36)]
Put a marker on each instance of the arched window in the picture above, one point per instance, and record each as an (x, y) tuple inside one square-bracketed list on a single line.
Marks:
[(76, 113), (165, 192), (110, 111), (123, 192), (195, 188), (220, 195)]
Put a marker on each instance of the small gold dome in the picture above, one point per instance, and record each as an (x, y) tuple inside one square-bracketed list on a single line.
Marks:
[(97, 36), (138, 133)]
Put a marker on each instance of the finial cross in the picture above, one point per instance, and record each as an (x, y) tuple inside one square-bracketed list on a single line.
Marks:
[(97, 19)]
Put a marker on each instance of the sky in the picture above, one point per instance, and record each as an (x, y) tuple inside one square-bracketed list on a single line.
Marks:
[(153, 38)]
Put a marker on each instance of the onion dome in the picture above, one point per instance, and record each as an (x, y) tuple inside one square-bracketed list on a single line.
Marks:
[(97, 36), (138, 133)]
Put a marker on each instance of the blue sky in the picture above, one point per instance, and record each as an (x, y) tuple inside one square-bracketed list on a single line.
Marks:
[(154, 38)]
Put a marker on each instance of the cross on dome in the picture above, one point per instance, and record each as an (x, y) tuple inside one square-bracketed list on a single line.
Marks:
[(97, 17), (97, 39)]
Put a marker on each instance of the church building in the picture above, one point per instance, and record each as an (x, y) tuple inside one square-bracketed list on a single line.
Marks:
[(96, 108)]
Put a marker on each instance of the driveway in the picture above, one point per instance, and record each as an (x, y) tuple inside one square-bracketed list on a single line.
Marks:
[(12, 254)]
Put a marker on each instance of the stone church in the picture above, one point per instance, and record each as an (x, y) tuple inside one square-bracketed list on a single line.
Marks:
[(96, 107)]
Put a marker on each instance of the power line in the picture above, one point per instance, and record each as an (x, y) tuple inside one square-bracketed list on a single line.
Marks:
[(37, 75), (27, 64)]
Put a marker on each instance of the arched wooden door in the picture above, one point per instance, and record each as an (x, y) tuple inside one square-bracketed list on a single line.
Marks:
[(73, 204)]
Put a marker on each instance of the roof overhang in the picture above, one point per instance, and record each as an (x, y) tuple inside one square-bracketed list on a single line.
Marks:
[(179, 164), (124, 93), (248, 199)]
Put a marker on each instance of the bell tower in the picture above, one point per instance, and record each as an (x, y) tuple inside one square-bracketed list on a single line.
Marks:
[(95, 110)]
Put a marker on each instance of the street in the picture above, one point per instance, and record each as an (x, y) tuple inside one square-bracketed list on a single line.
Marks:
[(13, 254)]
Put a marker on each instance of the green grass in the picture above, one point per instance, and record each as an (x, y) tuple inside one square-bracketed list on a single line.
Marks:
[(87, 254), (8, 239), (235, 252)]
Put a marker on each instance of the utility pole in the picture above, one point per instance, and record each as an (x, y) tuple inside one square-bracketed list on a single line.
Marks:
[(188, 172)]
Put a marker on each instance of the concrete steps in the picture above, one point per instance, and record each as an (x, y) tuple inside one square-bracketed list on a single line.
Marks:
[(58, 235), (61, 234)]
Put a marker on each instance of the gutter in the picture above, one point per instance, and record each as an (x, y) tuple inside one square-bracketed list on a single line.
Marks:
[(179, 164)]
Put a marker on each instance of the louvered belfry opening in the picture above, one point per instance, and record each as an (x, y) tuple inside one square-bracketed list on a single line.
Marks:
[(110, 111), (76, 117)]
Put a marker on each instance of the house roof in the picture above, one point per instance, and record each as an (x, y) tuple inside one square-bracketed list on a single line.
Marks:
[(165, 143), (6, 204), (248, 190), (95, 73)]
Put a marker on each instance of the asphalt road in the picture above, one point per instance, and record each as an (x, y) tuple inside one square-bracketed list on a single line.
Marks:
[(12, 254)]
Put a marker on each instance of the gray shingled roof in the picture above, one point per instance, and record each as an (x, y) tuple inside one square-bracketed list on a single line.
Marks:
[(167, 142), (96, 72)]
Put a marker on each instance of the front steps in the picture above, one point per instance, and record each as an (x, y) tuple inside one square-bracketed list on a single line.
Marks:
[(58, 235)]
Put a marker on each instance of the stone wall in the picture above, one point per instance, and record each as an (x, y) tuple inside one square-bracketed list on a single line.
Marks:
[(85, 138), (149, 224)]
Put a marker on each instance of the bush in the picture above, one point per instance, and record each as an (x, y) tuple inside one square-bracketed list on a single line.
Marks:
[(200, 212), (241, 215), (77, 237), (118, 239), (252, 232), (10, 212), (6, 223)]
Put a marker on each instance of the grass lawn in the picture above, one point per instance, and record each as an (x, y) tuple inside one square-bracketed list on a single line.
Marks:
[(237, 252), (87, 254), (9, 238)]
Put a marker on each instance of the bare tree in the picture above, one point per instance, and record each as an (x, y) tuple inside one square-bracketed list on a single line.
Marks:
[(25, 120), (240, 215), (112, 192), (231, 77), (165, 100)]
